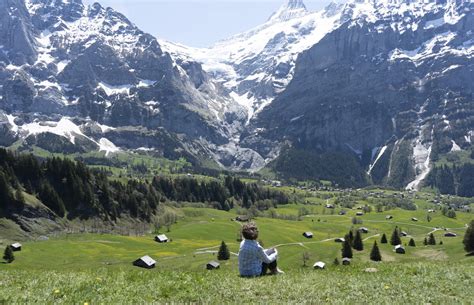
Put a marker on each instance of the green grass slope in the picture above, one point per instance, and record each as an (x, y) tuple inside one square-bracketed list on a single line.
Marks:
[(98, 268)]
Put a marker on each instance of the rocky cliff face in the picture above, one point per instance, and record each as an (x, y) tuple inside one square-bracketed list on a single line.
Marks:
[(62, 59), (392, 80), (386, 84), (256, 66)]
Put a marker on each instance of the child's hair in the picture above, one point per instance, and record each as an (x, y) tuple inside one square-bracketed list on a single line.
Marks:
[(250, 231)]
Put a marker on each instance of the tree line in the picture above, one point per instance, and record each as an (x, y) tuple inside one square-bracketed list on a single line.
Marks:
[(453, 180), (70, 188)]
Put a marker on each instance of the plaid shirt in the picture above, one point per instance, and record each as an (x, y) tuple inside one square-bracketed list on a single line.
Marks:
[(251, 257)]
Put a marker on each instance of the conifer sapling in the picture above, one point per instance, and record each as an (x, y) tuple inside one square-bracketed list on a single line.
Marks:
[(375, 253), (8, 255), (224, 253)]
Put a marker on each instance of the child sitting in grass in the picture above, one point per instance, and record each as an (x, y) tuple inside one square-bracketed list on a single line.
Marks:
[(253, 259)]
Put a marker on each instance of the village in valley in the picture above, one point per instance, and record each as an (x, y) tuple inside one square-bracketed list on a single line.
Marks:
[(326, 226)]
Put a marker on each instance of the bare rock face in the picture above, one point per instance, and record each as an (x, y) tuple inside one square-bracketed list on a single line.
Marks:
[(16, 37), (385, 85), (18, 92), (61, 58), (370, 84)]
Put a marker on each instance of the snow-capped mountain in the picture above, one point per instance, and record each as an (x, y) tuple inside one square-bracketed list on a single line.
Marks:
[(257, 65), (391, 85), (87, 73), (386, 83)]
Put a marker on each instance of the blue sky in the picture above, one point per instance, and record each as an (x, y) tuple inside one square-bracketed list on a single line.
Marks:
[(198, 23)]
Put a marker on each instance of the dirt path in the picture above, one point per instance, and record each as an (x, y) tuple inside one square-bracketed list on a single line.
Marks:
[(367, 238)]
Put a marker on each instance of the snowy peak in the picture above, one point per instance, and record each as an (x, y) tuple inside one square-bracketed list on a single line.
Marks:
[(291, 9)]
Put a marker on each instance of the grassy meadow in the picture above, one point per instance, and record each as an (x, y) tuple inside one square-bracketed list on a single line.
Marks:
[(95, 268)]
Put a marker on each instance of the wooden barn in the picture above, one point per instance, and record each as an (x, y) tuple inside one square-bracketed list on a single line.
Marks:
[(403, 233), (399, 249), (363, 230), (450, 234), (319, 265), (213, 265), (414, 219), (145, 262), (340, 240), (360, 213), (16, 247), (242, 218), (308, 234), (388, 217), (162, 238)]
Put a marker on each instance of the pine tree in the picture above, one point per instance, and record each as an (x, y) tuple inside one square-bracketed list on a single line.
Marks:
[(468, 240), (375, 253), (395, 239), (358, 245), (8, 255), (224, 253), (351, 237), (383, 240), (346, 249), (412, 243), (336, 262), (431, 239), (425, 242)]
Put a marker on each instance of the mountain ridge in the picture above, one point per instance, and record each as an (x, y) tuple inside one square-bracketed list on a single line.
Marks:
[(383, 82)]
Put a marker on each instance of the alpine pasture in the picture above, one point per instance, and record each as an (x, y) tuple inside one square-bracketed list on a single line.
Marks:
[(97, 268)]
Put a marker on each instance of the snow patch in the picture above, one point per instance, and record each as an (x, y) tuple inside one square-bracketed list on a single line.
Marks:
[(421, 158), (64, 128), (107, 146), (381, 152), (113, 90), (146, 83), (61, 65), (11, 121), (105, 128), (432, 24), (455, 147)]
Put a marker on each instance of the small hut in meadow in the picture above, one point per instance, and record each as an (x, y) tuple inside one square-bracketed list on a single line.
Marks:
[(145, 262), (16, 247), (161, 238), (388, 217), (242, 218), (308, 234), (399, 249), (343, 212), (319, 265), (364, 230), (450, 234), (403, 233), (360, 213), (414, 219), (340, 240), (213, 265), (346, 261)]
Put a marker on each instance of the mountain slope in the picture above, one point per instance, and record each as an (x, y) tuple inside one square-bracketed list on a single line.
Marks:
[(394, 80), (86, 72), (257, 65)]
